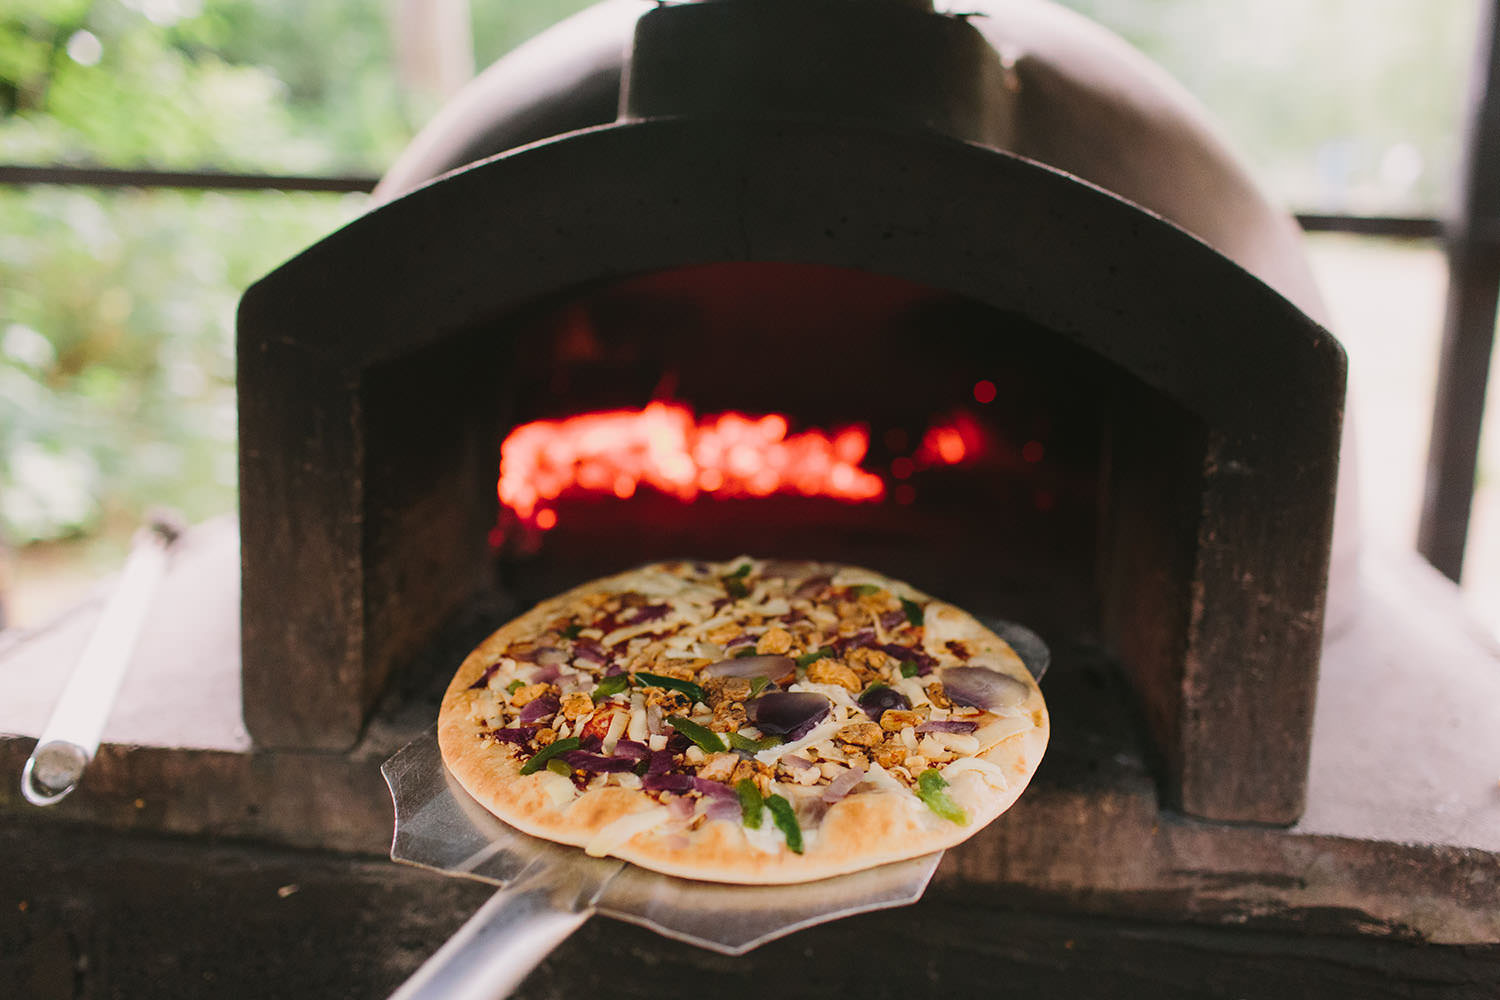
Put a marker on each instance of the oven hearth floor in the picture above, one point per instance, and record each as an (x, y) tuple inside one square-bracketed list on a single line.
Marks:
[(1400, 840)]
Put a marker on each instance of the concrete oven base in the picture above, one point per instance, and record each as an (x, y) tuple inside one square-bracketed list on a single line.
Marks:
[(190, 861)]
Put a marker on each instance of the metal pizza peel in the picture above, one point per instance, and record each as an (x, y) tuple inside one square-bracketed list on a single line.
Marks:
[(548, 890)]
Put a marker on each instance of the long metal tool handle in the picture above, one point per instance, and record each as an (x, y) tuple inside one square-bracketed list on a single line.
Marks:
[(72, 733), (499, 945)]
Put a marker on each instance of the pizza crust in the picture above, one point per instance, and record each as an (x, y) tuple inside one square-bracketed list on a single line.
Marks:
[(875, 824)]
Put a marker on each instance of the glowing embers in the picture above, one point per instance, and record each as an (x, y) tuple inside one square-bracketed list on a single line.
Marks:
[(665, 447)]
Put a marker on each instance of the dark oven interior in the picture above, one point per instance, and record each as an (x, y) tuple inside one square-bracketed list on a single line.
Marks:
[(802, 411)]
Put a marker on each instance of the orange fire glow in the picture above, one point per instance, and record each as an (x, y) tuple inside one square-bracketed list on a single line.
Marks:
[(665, 447)]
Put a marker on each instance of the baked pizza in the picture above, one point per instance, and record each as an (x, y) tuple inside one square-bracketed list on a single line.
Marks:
[(751, 721)]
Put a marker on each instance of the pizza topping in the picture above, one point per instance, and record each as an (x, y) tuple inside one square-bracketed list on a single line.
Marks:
[(877, 699), (752, 665), (618, 832), (912, 611), (575, 705), (537, 709), (582, 760), (484, 678), (809, 658), (693, 691), (775, 640), (610, 686), (861, 734), (527, 693), (930, 785), (788, 713), (948, 726), (786, 821), (706, 739), (540, 758), (752, 804), (981, 687), (520, 737), (843, 783), (894, 720), (739, 741), (830, 671)]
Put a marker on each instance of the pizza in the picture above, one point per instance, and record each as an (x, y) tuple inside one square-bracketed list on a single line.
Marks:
[(749, 721)]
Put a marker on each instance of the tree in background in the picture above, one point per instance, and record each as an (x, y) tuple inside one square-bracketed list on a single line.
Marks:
[(116, 307)]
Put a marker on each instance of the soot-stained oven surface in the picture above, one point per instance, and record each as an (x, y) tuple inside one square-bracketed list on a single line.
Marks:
[(837, 275)]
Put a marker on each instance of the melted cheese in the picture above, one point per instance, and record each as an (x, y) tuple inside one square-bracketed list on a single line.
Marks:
[(612, 835)]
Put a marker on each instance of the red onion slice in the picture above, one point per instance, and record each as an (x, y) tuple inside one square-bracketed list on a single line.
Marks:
[(881, 698), (539, 708), (714, 789), (788, 713), (843, 784), (770, 667), (948, 726), (979, 687), (582, 760), (795, 763), (678, 783), (721, 808), (632, 751)]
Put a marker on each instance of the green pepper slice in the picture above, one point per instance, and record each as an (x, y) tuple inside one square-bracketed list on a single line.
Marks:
[(514, 686), (786, 821), (546, 753), (611, 685), (930, 785), (740, 742), (913, 611), (571, 632), (705, 738), (688, 688), (758, 684), (909, 668), (864, 589), (734, 583), (560, 767), (751, 803)]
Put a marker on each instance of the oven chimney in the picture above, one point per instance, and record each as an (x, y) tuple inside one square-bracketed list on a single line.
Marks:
[(893, 62)]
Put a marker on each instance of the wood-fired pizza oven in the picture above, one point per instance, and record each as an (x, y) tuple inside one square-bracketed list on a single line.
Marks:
[(1062, 408)]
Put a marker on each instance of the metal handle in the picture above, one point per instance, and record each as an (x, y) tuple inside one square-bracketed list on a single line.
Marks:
[(72, 733), (500, 944)]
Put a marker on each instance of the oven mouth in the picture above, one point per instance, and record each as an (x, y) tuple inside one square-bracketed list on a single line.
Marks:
[(804, 412)]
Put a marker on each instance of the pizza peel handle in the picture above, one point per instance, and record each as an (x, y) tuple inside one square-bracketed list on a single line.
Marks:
[(504, 940)]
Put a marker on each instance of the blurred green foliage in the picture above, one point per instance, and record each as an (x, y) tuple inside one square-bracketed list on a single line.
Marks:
[(116, 306)]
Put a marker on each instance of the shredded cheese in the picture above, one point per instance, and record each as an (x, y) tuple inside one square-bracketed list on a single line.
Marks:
[(991, 773), (559, 789), (1002, 729), (818, 734), (617, 723)]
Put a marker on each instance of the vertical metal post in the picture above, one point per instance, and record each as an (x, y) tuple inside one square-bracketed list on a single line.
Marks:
[(1469, 321)]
